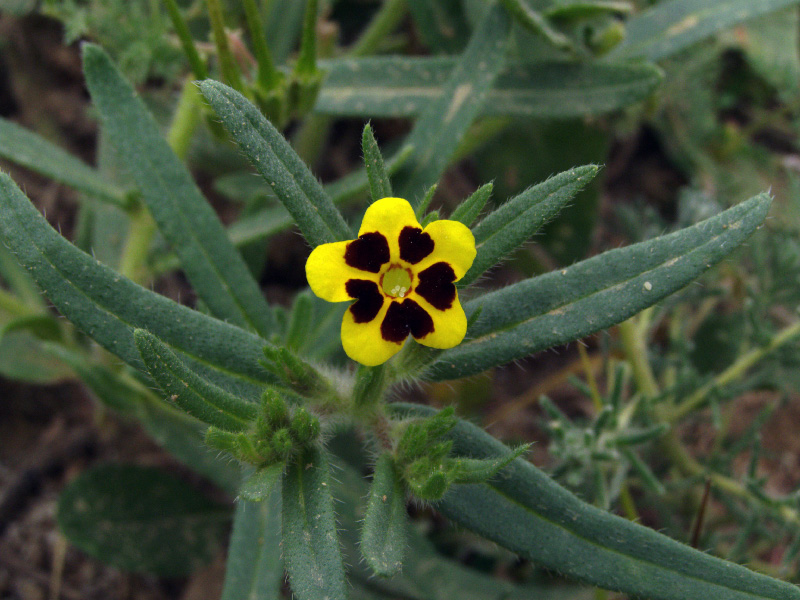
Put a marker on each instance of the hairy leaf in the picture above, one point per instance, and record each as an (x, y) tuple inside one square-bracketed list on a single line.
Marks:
[(200, 398), (518, 219), (379, 185), (405, 86), (255, 570), (445, 120), (214, 267), (530, 514), (25, 148), (274, 158), (310, 542), (669, 27), (108, 307), (384, 536), (141, 519), (594, 294)]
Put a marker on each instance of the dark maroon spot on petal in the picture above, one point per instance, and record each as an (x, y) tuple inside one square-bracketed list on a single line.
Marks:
[(368, 252), (436, 285), (369, 299), (403, 318), (414, 245)]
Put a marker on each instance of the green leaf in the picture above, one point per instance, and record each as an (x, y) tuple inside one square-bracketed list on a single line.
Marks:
[(669, 27), (594, 294), (175, 431), (518, 219), (385, 532), (343, 191), (108, 307), (27, 149), (284, 22), (255, 569), (284, 171), (445, 120), (403, 87), (198, 397), (426, 574), (769, 47), (310, 541), (260, 485), (479, 470), (379, 185), (300, 321), (537, 24), (530, 514), (214, 267), (141, 519), (471, 208)]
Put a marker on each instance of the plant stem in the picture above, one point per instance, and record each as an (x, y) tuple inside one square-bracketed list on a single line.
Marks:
[(140, 234), (185, 119), (385, 20), (634, 343), (187, 43), (635, 348), (13, 305), (733, 372), (268, 76), (142, 227), (227, 65), (590, 379), (307, 61), (691, 467)]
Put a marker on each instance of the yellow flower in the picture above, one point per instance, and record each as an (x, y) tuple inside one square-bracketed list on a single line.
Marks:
[(401, 278)]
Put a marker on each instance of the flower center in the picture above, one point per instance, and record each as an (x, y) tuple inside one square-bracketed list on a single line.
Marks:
[(396, 281)]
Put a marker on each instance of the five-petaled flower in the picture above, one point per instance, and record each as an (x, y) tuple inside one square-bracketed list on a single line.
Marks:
[(401, 277)]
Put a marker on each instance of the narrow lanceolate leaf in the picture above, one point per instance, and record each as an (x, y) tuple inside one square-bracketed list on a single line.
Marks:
[(426, 574), (518, 219), (403, 87), (669, 27), (198, 397), (310, 541), (284, 171), (254, 570), (471, 208), (260, 485), (384, 536), (530, 514), (214, 267), (594, 294), (379, 185), (108, 307), (141, 519), (27, 149), (342, 191), (478, 470), (445, 120)]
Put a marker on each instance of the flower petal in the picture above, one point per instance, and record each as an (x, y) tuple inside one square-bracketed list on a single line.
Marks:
[(449, 326), (436, 285), (328, 273), (389, 216), (453, 244), (363, 341)]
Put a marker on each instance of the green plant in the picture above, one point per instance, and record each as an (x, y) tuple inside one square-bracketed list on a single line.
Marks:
[(263, 402)]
